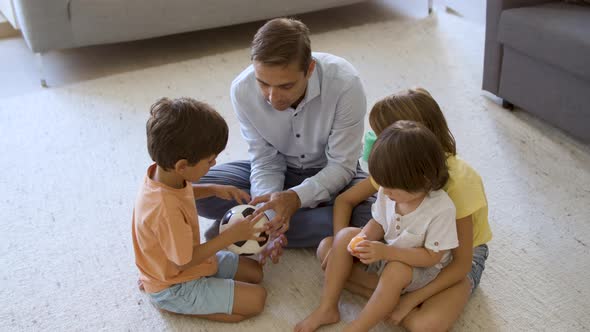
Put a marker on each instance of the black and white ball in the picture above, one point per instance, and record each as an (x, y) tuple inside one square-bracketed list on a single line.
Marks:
[(249, 247)]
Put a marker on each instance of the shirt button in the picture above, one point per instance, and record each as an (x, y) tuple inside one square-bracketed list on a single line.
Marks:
[(302, 156), (297, 135), (436, 243), (397, 218), (397, 227), (295, 114)]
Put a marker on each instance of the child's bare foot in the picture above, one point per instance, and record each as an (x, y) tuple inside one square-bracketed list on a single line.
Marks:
[(318, 318), (140, 285)]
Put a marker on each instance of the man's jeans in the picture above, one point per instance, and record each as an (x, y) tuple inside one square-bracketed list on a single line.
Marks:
[(307, 227)]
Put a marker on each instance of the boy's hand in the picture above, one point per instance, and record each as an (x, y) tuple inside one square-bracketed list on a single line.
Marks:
[(231, 193), (370, 251), (244, 229)]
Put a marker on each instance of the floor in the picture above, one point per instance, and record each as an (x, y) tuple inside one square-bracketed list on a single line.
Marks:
[(73, 156)]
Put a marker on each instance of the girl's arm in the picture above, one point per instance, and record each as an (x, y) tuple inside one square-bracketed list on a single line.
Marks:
[(456, 271), (348, 200)]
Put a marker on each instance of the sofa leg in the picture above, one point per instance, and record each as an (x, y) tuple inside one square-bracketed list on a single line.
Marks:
[(507, 105), (430, 6), (41, 70)]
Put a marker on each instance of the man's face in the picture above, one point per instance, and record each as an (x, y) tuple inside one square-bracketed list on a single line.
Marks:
[(282, 86)]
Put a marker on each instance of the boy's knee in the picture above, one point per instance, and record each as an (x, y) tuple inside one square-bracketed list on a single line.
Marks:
[(347, 234), (257, 275), (398, 271), (260, 301)]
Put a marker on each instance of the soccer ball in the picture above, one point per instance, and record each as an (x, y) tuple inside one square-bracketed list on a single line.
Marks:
[(248, 247)]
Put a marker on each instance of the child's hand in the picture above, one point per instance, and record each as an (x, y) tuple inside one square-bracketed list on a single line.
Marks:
[(370, 251), (231, 193), (244, 229)]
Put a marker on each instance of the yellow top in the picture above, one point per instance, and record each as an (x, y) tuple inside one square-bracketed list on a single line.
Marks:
[(465, 188)]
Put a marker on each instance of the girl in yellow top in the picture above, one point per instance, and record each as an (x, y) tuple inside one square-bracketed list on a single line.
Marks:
[(437, 305)]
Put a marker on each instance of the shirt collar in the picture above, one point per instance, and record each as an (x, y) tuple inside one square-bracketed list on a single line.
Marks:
[(313, 86)]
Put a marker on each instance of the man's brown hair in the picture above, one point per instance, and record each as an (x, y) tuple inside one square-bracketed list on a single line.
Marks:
[(409, 157), (281, 42), (413, 105), (184, 128)]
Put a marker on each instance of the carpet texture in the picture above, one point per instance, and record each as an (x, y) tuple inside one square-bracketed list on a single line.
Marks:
[(73, 157)]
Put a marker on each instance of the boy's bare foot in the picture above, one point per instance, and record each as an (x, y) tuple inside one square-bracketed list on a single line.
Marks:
[(274, 250), (140, 285), (318, 318)]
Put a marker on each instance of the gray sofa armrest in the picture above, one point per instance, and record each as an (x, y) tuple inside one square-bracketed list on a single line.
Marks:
[(45, 24), (492, 63)]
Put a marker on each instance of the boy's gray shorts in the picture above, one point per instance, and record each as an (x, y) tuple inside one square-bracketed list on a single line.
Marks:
[(421, 276)]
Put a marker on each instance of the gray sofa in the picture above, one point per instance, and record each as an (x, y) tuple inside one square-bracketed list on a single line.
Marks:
[(537, 57), (59, 24)]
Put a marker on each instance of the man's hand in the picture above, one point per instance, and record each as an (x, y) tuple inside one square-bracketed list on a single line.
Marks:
[(370, 251), (284, 204), (231, 193), (274, 250)]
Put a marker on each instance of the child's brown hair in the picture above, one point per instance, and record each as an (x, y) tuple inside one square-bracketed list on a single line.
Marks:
[(414, 105), (409, 157), (184, 128)]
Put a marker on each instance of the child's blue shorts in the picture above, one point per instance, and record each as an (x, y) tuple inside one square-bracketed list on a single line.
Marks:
[(207, 295)]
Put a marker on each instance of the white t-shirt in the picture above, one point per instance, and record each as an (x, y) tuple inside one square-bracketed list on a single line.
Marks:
[(431, 225)]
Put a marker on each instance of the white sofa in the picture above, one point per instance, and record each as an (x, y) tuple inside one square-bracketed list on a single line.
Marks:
[(59, 24)]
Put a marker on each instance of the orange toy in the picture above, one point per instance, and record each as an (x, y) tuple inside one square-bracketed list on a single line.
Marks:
[(355, 240)]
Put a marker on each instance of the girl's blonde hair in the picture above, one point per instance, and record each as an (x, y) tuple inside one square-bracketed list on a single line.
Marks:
[(413, 105)]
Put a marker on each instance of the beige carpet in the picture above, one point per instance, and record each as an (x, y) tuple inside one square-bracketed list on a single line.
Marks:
[(73, 156)]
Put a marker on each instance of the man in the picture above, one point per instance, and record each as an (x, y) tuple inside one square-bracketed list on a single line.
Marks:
[(302, 115)]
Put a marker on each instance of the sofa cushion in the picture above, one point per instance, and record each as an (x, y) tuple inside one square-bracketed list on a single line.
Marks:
[(556, 33), (579, 2)]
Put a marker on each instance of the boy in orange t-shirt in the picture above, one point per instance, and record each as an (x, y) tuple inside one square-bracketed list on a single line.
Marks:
[(179, 273)]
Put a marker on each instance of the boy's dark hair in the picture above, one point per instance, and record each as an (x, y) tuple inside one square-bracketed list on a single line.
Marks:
[(414, 105), (281, 42), (409, 157), (184, 128)]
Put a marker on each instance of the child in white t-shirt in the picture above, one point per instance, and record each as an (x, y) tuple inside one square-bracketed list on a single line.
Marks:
[(407, 242)]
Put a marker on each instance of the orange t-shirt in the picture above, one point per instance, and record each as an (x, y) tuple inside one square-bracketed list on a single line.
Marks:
[(165, 230)]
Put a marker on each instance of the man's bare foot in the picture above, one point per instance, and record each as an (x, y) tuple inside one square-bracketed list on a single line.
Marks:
[(318, 318), (274, 250), (140, 285)]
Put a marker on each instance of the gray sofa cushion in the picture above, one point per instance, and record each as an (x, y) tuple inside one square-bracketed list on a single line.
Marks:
[(555, 33), (108, 21)]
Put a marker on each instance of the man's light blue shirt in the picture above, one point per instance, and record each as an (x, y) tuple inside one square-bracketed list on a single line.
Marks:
[(324, 131)]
